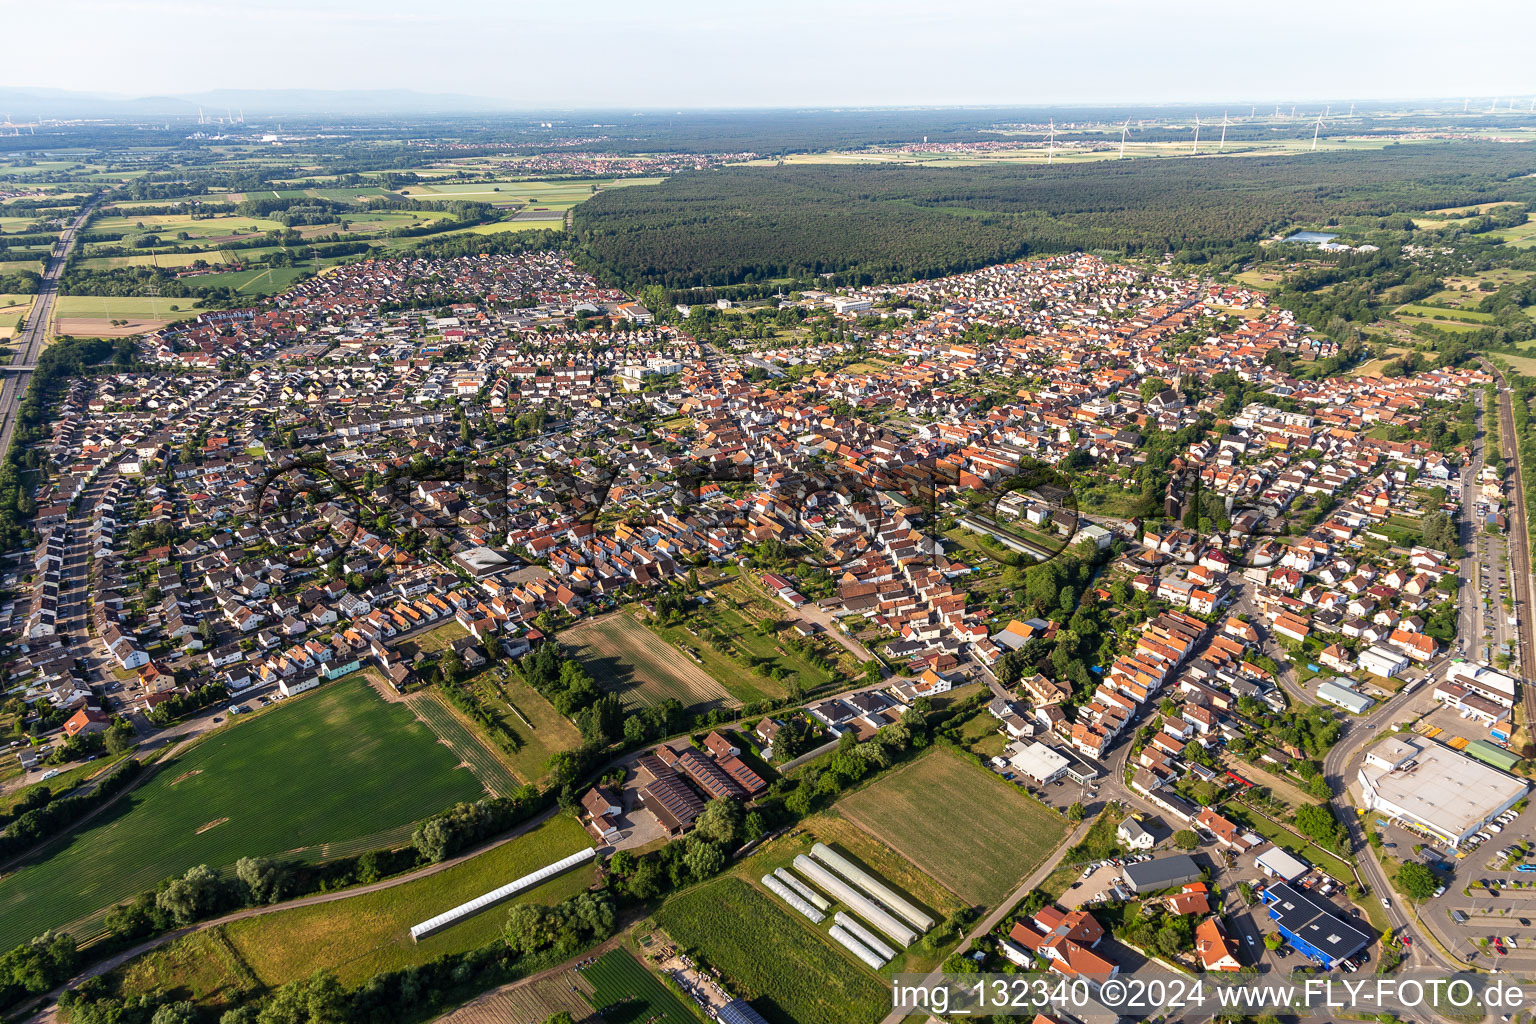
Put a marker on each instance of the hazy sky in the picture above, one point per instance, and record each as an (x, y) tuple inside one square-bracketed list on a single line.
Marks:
[(693, 53)]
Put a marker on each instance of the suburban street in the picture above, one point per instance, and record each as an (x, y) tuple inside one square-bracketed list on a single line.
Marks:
[(35, 334)]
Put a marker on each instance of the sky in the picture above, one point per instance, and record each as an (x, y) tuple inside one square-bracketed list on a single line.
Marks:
[(785, 53)]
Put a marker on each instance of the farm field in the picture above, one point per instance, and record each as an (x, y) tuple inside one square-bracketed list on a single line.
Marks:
[(623, 990), (172, 224), (942, 803), (362, 936), (529, 1000), (312, 778), (787, 972), (458, 737), (256, 280), (643, 669), (724, 635), (1435, 313), (880, 860), (122, 307), (554, 195)]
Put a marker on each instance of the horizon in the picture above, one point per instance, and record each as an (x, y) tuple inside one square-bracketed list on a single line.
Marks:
[(854, 54)]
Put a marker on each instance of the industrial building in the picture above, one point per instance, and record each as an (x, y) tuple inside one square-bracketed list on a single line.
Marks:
[(1278, 863), (1312, 926), (1040, 763), (1443, 791), (1162, 873), (1346, 697)]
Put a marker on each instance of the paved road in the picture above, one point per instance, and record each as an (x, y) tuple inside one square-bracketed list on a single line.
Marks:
[(36, 331), (1520, 548)]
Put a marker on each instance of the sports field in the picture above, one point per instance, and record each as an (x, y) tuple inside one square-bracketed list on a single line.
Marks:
[(623, 990), (643, 669), (771, 957), (542, 730), (320, 776), (941, 804), (361, 936)]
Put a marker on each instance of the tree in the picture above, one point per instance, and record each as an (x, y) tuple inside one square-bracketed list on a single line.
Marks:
[(264, 879), (1185, 839), (1416, 881), (720, 821), (175, 1013), (1077, 812), (120, 736), (1273, 941), (192, 895), (704, 859)]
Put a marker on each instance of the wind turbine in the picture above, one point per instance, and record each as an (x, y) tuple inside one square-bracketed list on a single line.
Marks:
[(1351, 110), (1123, 129), (1050, 151), (1196, 150), (1465, 104), (1224, 122), (1317, 126), (1293, 110)]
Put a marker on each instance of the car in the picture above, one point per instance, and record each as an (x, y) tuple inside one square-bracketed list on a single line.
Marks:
[(50, 773), (1389, 846), (1250, 940), (1385, 902), (1499, 947), (1406, 941), (1512, 943)]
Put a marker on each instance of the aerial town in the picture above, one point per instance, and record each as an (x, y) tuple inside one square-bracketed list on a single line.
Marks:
[(493, 572)]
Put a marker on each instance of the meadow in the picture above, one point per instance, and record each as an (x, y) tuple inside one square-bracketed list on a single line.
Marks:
[(771, 957), (317, 777), (122, 307), (542, 730), (360, 936), (942, 805)]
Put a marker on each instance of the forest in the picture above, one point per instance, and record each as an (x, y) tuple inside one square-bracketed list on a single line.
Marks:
[(865, 224)]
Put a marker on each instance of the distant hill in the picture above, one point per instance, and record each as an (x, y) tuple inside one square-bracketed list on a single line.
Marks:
[(26, 103)]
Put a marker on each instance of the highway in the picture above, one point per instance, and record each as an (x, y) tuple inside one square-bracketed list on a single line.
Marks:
[(35, 334)]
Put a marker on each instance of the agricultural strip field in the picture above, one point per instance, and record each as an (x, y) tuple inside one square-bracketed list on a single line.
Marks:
[(623, 990), (643, 669), (466, 746), (942, 812), (770, 956), (337, 766), (536, 1000), (364, 935)]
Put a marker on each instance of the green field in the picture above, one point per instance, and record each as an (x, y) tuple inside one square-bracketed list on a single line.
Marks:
[(460, 739), (359, 937), (314, 778), (942, 803), (256, 280), (771, 957), (123, 307), (1433, 312), (623, 990), (168, 225)]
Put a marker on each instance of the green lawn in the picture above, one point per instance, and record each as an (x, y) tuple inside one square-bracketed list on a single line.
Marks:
[(943, 803), (771, 957), (319, 777)]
